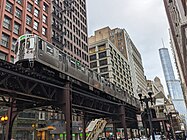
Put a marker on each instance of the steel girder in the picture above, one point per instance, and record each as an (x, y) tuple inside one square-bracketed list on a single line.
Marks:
[(32, 90)]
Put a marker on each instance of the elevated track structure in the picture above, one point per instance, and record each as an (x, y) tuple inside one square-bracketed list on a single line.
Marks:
[(22, 88)]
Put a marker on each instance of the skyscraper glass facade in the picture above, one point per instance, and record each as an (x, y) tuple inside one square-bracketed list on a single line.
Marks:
[(173, 85)]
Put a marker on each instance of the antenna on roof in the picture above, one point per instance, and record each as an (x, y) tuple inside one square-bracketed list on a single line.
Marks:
[(163, 43)]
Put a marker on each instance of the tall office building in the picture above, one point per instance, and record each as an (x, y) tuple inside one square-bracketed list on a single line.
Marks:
[(136, 66), (173, 85), (107, 60), (69, 28), (18, 17), (125, 47)]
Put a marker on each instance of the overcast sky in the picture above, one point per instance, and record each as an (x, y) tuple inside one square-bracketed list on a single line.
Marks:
[(144, 20)]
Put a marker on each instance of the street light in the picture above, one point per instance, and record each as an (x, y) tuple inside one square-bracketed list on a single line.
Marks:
[(146, 100), (4, 119)]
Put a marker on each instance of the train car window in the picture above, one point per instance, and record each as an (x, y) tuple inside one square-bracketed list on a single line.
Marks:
[(83, 68), (22, 43), (60, 56), (72, 62), (30, 43), (50, 49), (64, 57)]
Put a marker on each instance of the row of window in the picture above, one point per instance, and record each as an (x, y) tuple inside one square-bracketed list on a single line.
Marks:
[(59, 25), (4, 56), (66, 52), (100, 55), (9, 8), (101, 63), (82, 16), (7, 24), (99, 48), (115, 69), (118, 59), (75, 29), (5, 41), (121, 81), (75, 39), (69, 46)]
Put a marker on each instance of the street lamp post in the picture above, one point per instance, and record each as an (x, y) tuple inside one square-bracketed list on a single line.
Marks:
[(3, 122), (146, 100)]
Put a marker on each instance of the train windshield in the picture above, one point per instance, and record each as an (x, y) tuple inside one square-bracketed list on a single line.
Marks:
[(24, 46), (30, 43), (24, 41)]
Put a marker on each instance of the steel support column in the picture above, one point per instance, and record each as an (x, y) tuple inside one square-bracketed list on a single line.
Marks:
[(11, 117), (114, 130), (123, 121), (83, 127), (165, 129), (67, 100)]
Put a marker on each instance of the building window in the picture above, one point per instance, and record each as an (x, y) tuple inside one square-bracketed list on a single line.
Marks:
[(44, 19), (16, 28), (7, 22), (5, 40), (93, 64), (92, 50), (101, 47), (28, 31), (3, 56), (35, 25), (36, 12), (13, 44), (92, 57), (45, 7), (28, 20), (103, 62), (19, 1), (8, 7), (18, 13), (44, 31), (36, 2), (105, 69), (103, 54), (29, 7)]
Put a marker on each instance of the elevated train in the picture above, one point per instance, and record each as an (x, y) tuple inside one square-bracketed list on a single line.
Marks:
[(34, 52)]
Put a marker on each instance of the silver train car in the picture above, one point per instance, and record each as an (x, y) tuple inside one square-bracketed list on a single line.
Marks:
[(34, 52)]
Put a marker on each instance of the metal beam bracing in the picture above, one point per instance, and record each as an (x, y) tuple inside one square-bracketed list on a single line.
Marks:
[(31, 90)]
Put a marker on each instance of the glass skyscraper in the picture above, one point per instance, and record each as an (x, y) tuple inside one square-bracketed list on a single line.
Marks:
[(173, 85)]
